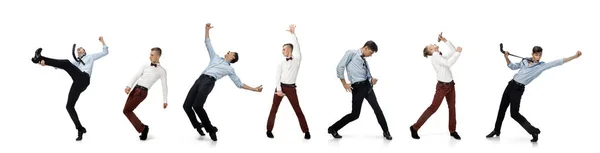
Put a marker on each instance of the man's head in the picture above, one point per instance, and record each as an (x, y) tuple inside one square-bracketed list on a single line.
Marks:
[(369, 48), (80, 52), (536, 53), (287, 50), (155, 54), (429, 49), (232, 57)]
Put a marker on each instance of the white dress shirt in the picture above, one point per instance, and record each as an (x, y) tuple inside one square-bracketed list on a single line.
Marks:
[(442, 63), (148, 75), (287, 70)]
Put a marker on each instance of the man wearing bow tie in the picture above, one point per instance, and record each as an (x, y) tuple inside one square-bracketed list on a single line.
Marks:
[(145, 78), (361, 86), (444, 86), (218, 68), (285, 84), (80, 74)]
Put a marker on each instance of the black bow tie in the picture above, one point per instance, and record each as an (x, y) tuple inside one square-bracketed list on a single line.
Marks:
[(440, 53), (289, 58), (152, 64)]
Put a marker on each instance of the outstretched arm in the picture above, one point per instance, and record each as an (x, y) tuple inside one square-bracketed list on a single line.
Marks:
[(236, 80), (561, 61), (104, 52), (209, 47), (565, 60)]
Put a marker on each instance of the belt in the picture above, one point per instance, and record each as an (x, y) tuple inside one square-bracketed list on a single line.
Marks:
[(210, 77), (361, 82), (446, 83), (517, 83), (141, 87), (288, 85)]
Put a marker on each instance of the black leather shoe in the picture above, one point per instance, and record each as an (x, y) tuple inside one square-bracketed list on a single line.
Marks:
[(455, 135), (413, 133), (37, 57), (334, 134), (144, 135), (535, 135), (270, 134), (307, 135), (497, 133), (199, 129), (213, 135), (387, 135), (80, 133)]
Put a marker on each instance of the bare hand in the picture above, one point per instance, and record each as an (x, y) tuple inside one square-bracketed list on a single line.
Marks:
[(101, 39), (127, 90), (279, 93), (292, 29), (459, 49), (577, 54), (374, 81), (208, 26), (441, 38), (506, 54), (165, 105), (258, 89), (43, 63), (347, 87)]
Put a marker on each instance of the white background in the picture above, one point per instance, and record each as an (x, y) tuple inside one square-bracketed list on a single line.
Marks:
[(560, 102)]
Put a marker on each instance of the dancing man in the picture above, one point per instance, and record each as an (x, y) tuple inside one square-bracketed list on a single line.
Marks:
[(361, 86), (287, 71), (529, 69), (80, 72), (217, 69), (444, 87), (145, 78)]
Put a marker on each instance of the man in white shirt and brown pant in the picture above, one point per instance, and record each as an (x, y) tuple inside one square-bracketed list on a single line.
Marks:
[(145, 78), (287, 71), (444, 87)]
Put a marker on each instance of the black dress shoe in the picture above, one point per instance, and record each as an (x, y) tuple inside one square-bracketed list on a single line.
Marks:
[(37, 57), (535, 135), (307, 135), (455, 135), (199, 129), (144, 135), (334, 134), (413, 133), (213, 135), (80, 133), (497, 133), (387, 135), (270, 134)]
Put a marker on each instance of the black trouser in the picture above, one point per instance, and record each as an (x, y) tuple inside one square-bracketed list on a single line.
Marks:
[(360, 91), (81, 80), (512, 96), (196, 98)]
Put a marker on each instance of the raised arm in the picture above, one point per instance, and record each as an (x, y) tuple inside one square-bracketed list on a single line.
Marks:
[(296, 51), (447, 62), (209, 47), (449, 44), (565, 60), (104, 52), (512, 66)]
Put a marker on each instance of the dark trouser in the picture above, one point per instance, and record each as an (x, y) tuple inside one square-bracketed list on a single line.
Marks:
[(196, 98), (441, 90), (137, 95), (81, 80), (290, 92), (360, 91), (512, 96)]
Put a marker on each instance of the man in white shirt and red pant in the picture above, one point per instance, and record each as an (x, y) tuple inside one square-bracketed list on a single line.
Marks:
[(287, 71), (145, 78), (444, 87)]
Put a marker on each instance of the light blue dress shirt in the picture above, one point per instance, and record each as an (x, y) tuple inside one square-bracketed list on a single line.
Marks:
[(356, 67), (89, 60), (219, 67), (528, 73)]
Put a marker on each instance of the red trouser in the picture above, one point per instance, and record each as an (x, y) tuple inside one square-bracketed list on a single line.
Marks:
[(136, 97), (441, 90), (290, 92)]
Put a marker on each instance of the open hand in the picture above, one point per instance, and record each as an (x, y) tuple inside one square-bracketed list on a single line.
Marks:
[(292, 29)]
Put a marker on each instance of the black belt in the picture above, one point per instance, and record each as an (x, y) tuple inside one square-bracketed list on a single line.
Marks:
[(210, 77), (361, 82), (446, 83), (517, 83), (288, 85), (141, 87)]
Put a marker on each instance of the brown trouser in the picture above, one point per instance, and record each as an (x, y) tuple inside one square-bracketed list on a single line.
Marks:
[(441, 90), (290, 92), (136, 97)]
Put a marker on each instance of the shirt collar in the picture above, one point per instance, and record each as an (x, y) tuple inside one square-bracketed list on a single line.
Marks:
[(225, 61)]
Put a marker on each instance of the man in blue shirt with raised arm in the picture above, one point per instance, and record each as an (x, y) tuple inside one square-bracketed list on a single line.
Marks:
[(80, 72), (529, 69), (217, 69)]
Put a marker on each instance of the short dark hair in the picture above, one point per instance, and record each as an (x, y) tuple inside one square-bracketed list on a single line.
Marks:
[(537, 49), (371, 45), (289, 44), (425, 52), (158, 50), (235, 58)]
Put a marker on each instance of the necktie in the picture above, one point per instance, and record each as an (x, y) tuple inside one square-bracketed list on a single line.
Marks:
[(289, 58), (366, 67), (81, 61), (152, 64)]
